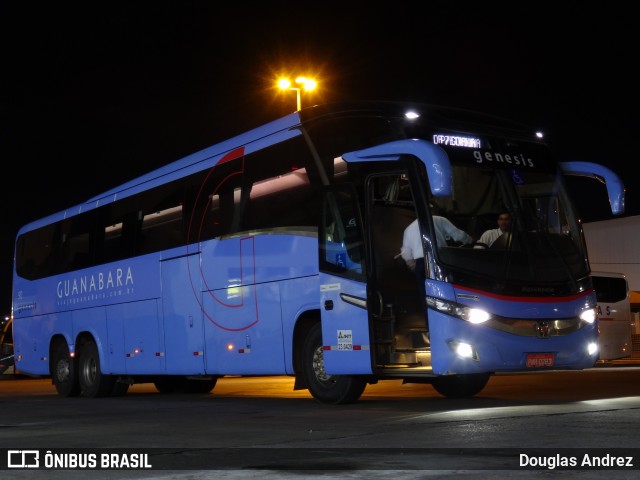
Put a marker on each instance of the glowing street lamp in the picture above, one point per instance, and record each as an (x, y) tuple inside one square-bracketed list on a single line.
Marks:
[(306, 84)]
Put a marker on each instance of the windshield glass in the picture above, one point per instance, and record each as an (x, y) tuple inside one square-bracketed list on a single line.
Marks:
[(503, 178), (523, 223)]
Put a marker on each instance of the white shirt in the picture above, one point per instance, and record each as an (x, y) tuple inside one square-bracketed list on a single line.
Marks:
[(412, 243), (490, 236)]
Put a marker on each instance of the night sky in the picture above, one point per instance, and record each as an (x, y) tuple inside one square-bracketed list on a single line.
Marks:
[(92, 96)]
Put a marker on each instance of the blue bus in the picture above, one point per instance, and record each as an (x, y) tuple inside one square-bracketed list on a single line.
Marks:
[(276, 252)]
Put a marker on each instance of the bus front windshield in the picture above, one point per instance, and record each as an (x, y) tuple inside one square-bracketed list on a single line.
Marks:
[(541, 247), (494, 169)]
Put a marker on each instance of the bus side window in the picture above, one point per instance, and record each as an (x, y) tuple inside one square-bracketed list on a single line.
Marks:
[(609, 289), (78, 238), (162, 229), (280, 191), (37, 252), (341, 247), (212, 201), (219, 214)]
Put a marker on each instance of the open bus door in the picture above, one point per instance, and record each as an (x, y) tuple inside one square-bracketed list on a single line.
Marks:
[(336, 355), (343, 287)]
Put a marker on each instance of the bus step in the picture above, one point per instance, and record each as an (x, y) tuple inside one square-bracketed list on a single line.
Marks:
[(401, 365), (406, 357)]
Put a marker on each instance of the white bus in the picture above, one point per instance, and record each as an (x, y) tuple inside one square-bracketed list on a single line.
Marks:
[(614, 315)]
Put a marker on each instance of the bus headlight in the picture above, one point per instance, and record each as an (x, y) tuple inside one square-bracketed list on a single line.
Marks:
[(588, 315), (468, 314), (592, 348)]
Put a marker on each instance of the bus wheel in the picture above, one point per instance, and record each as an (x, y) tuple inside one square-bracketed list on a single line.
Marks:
[(331, 389), (63, 371), (460, 386), (169, 384), (199, 386), (92, 382)]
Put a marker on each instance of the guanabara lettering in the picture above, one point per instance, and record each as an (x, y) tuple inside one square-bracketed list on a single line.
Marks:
[(93, 283)]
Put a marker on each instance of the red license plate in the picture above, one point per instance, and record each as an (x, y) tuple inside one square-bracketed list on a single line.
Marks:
[(539, 360)]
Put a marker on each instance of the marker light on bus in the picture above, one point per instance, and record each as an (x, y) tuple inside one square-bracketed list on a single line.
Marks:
[(592, 348), (468, 314)]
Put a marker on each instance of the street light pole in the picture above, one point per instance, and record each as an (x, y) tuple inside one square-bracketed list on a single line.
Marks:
[(298, 100), (307, 83)]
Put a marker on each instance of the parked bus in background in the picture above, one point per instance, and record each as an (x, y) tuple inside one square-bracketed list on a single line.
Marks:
[(614, 315), (612, 247), (275, 252), (6, 345)]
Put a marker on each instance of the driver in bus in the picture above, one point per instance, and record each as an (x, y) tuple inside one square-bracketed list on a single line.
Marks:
[(490, 236)]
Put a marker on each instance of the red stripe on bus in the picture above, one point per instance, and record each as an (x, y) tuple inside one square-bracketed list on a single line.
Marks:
[(567, 298)]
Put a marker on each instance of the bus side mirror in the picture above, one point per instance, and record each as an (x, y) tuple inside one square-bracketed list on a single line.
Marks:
[(615, 187)]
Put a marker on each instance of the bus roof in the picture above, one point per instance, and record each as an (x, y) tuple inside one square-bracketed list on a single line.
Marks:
[(283, 128), (255, 139)]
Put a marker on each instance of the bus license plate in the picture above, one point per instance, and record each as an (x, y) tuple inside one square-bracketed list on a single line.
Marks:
[(537, 360)]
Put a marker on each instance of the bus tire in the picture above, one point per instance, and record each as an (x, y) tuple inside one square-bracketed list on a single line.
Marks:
[(460, 386), (64, 373), (330, 389), (93, 383), (200, 386), (167, 384)]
